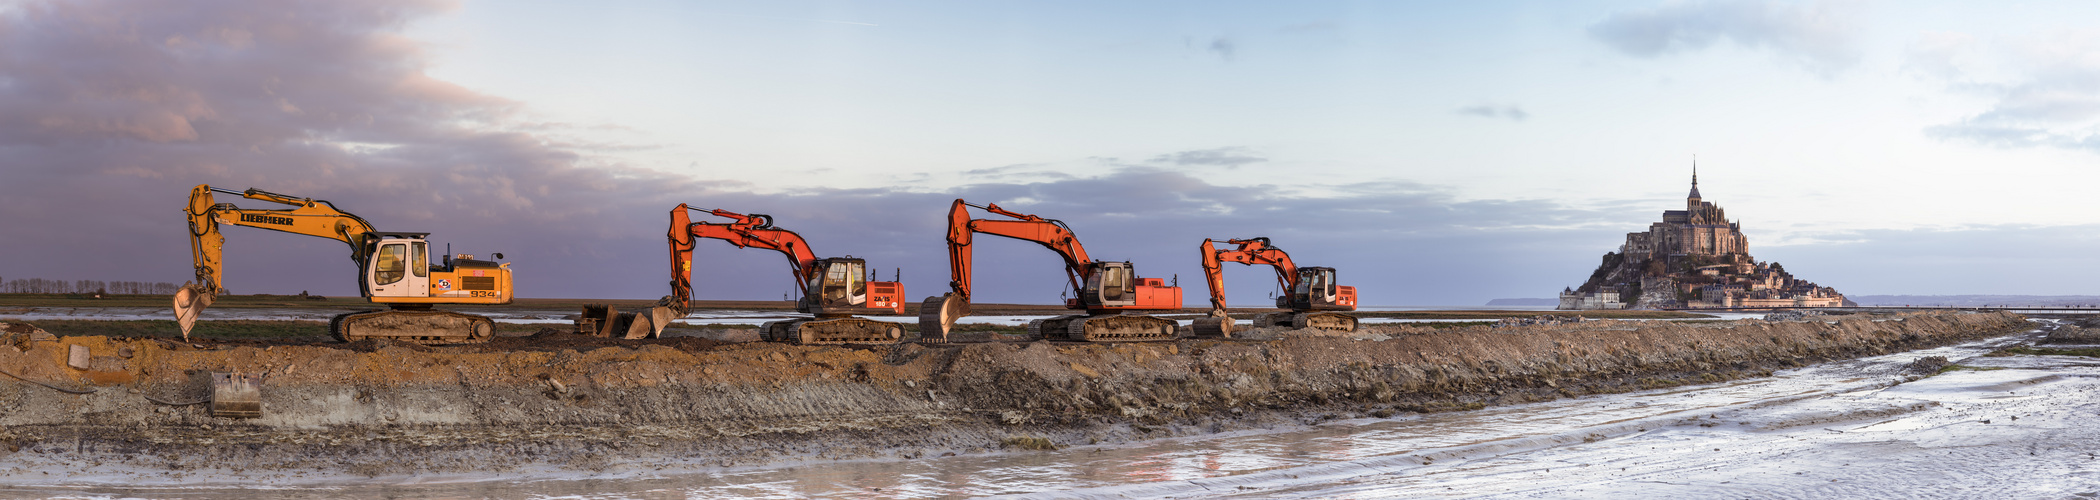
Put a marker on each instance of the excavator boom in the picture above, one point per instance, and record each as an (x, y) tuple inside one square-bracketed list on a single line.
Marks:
[(1051, 234), (307, 216), (753, 231)]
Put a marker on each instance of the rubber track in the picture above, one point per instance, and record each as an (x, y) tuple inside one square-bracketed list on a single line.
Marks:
[(1325, 321), (1122, 328), (343, 325), (844, 331)]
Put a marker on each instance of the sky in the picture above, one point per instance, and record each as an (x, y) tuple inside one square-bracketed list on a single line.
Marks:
[(1435, 153)]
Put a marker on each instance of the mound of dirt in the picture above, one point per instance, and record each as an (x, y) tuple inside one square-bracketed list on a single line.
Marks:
[(550, 340), (2074, 334), (563, 400)]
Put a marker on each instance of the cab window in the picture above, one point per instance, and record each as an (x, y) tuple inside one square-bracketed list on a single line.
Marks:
[(1113, 283), (857, 282), (391, 263), (836, 283), (419, 259)]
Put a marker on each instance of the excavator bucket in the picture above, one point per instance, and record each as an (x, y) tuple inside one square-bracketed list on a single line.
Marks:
[(657, 317), (190, 301), (596, 320), (236, 395), (1218, 325), (637, 326), (605, 320), (644, 324), (938, 314)]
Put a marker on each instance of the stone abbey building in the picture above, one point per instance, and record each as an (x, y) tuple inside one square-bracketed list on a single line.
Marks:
[(1695, 258)]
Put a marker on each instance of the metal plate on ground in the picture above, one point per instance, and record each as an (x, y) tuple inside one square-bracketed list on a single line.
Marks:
[(236, 395)]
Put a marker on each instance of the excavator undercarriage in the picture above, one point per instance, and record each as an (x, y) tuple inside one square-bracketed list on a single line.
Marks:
[(1300, 320), (832, 331), (1115, 327), (1219, 327), (421, 326)]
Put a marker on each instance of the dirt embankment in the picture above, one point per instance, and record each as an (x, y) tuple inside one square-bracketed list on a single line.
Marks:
[(375, 408)]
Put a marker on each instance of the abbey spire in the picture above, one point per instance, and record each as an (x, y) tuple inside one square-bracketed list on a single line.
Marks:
[(1695, 182)]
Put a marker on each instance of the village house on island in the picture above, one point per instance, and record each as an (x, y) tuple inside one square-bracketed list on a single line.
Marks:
[(1693, 259)]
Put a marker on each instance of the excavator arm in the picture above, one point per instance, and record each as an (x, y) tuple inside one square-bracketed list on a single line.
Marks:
[(307, 216), (754, 231), (937, 315), (1049, 233)]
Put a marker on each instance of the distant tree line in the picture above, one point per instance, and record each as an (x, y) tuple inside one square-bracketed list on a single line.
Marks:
[(40, 285)]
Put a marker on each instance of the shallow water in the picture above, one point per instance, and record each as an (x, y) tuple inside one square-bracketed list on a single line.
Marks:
[(1831, 430)]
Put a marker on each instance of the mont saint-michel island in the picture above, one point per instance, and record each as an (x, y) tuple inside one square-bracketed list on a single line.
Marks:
[(1693, 259)]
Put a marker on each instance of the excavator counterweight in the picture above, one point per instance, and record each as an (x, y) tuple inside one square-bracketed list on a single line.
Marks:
[(1309, 293), (1112, 295), (393, 269)]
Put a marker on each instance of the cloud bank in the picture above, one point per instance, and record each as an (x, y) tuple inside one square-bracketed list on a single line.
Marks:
[(2049, 96), (110, 111), (1228, 157), (1815, 36), (1512, 112)]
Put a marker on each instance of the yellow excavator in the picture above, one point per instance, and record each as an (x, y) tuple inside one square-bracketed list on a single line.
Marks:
[(393, 269)]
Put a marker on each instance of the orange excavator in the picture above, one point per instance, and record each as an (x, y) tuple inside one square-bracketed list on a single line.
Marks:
[(392, 269), (834, 289), (1110, 292), (1310, 293)]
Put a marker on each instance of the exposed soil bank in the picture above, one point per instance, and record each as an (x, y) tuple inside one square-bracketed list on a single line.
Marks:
[(379, 409)]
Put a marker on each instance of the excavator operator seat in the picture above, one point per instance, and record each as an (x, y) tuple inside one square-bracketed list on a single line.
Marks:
[(392, 263)]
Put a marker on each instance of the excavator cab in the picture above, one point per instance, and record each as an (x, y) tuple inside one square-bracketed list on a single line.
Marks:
[(1110, 284), (399, 267), (398, 270), (1317, 291), (837, 283)]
